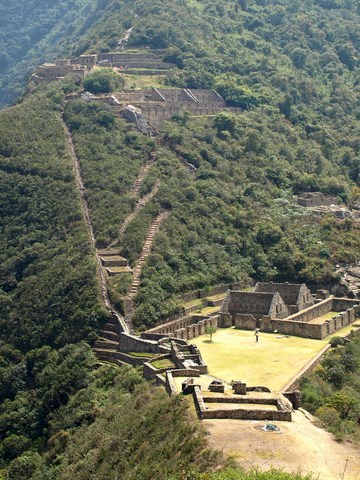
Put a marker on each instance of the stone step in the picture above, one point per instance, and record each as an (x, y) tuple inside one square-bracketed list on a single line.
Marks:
[(105, 344), (108, 356), (109, 326), (109, 334)]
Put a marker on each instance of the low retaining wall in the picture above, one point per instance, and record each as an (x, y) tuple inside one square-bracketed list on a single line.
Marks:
[(216, 290), (283, 412), (184, 328), (131, 343), (170, 386)]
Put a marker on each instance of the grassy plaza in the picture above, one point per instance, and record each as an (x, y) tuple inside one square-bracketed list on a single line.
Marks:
[(272, 362)]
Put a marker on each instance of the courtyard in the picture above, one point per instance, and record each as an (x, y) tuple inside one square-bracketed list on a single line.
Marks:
[(272, 362)]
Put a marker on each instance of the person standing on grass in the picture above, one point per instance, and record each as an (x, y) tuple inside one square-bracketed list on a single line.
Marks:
[(256, 335)]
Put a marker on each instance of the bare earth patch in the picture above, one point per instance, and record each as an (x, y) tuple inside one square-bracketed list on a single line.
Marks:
[(299, 446)]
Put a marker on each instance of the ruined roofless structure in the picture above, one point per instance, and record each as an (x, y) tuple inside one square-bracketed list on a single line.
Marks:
[(289, 309), (316, 199), (296, 296), (257, 304)]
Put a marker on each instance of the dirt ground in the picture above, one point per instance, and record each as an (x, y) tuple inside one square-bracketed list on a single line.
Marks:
[(299, 446)]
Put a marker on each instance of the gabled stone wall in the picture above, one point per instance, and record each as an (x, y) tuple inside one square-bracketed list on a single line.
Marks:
[(296, 296), (257, 304)]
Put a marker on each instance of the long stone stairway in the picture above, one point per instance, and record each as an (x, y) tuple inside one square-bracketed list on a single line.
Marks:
[(141, 201), (136, 278), (107, 345), (143, 174)]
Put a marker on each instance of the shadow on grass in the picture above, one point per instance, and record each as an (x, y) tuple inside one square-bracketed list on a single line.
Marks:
[(208, 341)]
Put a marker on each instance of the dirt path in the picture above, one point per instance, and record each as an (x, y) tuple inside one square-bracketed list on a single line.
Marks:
[(299, 446), (139, 206), (101, 275)]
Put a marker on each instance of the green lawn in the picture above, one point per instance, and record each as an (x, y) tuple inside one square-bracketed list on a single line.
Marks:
[(234, 355), (140, 82)]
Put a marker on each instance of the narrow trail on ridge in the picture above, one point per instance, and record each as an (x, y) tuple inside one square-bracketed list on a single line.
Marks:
[(101, 275), (135, 193), (109, 334)]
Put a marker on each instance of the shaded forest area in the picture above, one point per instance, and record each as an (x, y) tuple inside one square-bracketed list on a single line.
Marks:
[(293, 67), (35, 31)]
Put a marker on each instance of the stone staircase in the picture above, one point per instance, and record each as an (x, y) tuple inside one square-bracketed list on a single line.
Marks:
[(145, 253), (139, 206), (106, 345), (137, 270), (142, 175)]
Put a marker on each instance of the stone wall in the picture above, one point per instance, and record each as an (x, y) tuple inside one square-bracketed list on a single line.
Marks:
[(310, 313), (57, 71), (131, 343), (246, 321), (315, 199), (282, 413), (297, 329), (135, 60), (340, 304), (185, 328), (216, 290), (257, 304)]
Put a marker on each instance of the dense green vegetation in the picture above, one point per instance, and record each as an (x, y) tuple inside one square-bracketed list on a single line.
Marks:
[(103, 81), (111, 411), (285, 65), (48, 291), (35, 31), (332, 391), (293, 67)]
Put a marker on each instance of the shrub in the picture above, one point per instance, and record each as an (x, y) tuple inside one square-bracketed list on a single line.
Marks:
[(103, 81), (336, 341)]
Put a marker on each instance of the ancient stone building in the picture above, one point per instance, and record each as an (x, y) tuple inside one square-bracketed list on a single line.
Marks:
[(55, 71), (157, 104), (289, 309), (248, 309), (316, 199), (296, 296), (88, 60)]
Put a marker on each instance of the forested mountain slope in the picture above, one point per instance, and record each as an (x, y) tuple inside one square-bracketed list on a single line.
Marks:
[(293, 68), (37, 30), (284, 64)]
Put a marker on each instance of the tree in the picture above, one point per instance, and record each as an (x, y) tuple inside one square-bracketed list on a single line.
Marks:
[(210, 330), (103, 81), (336, 342), (343, 403)]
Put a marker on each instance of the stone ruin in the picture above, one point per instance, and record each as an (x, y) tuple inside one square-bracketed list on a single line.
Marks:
[(140, 63), (49, 72), (254, 403), (288, 309), (316, 199), (114, 263), (154, 105)]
